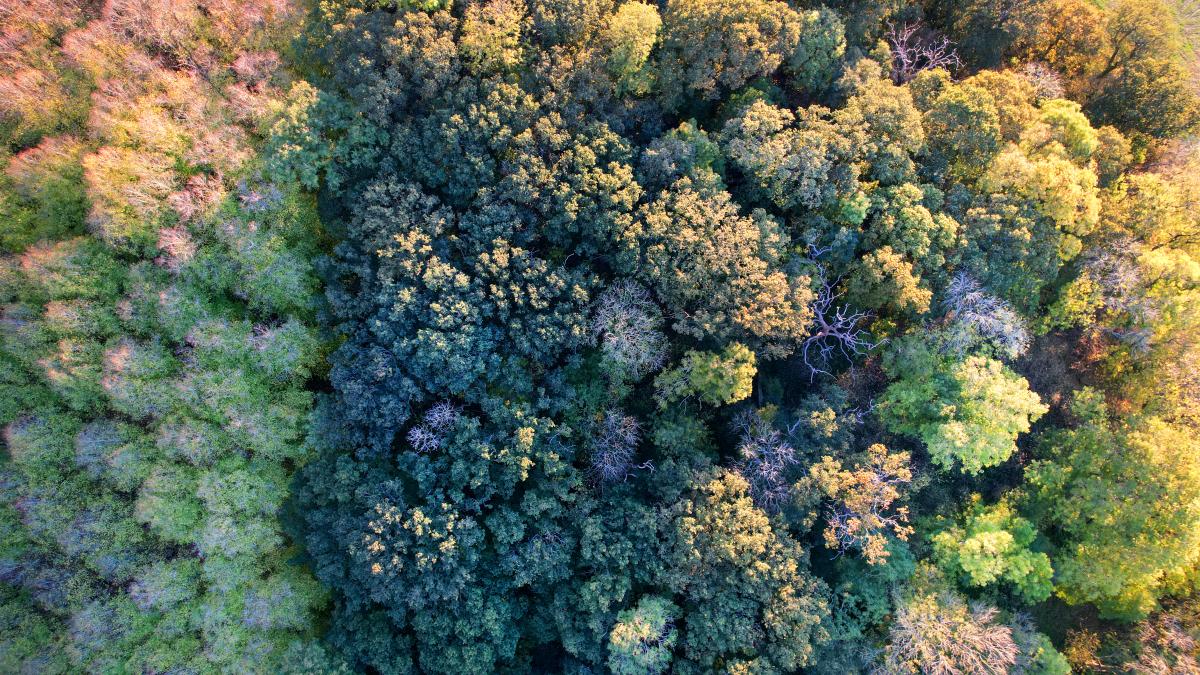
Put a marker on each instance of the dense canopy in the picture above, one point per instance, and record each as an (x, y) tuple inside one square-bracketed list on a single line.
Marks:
[(664, 336)]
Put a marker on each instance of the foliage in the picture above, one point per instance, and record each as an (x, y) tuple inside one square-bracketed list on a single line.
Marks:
[(642, 639), (716, 379), (992, 544), (159, 362), (1122, 545), (864, 516), (967, 412), (403, 336)]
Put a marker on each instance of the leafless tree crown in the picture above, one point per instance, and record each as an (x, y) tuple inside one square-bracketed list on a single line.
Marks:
[(916, 48), (836, 329)]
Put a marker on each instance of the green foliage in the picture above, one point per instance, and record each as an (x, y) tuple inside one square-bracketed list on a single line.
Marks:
[(1123, 545), (962, 126), (629, 37), (992, 544), (157, 364), (566, 314), (716, 379), (968, 413), (748, 601), (42, 196), (722, 272), (814, 62), (711, 48), (642, 639)]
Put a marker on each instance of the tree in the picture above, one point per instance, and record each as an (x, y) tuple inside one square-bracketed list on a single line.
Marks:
[(630, 37), (491, 36), (628, 326), (748, 601), (914, 49), (968, 413), (962, 126), (721, 272), (766, 460), (864, 515), (893, 134), (643, 637), (992, 544), (717, 379), (977, 321), (1152, 97), (813, 63), (42, 195), (614, 445), (711, 48), (943, 634), (835, 328), (795, 159), (907, 246), (1121, 545)]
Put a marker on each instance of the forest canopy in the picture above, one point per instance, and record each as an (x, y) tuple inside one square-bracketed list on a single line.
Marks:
[(687, 336)]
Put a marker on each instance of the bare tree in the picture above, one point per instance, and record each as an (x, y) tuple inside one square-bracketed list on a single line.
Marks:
[(614, 445), (1122, 286), (976, 318), (441, 416), (1045, 80), (942, 635), (765, 460), (916, 48), (628, 326), (836, 328), (428, 435), (1167, 646)]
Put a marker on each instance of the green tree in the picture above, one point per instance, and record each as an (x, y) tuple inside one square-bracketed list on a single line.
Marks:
[(813, 64), (990, 544), (715, 378), (630, 37), (643, 637), (748, 601), (721, 273), (795, 160), (711, 48), (962, 126), (1123, 544), (968, 413)]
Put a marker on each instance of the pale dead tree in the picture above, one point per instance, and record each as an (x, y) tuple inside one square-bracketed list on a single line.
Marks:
[(916, 48), (428, 435), (1047, 83), (255, 67), (835, 329), (441, 416), (943, 635), (614, 446), (1166, 647), (765, 460), (1122, 286), (422, 439), (628, 326), (977, 318)]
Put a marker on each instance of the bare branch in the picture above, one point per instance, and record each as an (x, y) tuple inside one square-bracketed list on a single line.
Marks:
[(975, 318), (836, 329), (916, 48), (614, 445), (628, 326), (765, 461)]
